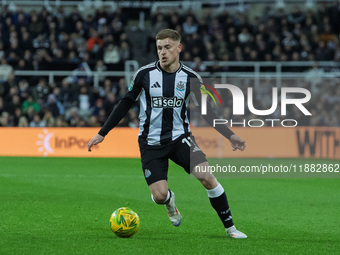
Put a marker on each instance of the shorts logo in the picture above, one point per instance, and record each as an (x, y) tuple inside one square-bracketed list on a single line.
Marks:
[(147, 173), (196, 148), (167, 102), (180, 86)]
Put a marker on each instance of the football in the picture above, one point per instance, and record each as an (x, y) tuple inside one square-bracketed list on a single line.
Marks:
[(124, 222)]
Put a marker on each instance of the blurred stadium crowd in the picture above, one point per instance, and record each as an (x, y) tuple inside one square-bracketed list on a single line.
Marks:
[(59, 40)]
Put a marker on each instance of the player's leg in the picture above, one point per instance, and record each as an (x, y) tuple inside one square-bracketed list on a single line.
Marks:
[(162, 195), (159, 192), (155, 167), (217, 197), (187, 154)]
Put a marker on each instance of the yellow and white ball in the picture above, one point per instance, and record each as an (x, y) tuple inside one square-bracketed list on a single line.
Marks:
[(124, 222)]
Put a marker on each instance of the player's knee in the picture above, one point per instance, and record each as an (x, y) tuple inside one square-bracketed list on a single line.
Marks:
[(159, 197), (209, 181)]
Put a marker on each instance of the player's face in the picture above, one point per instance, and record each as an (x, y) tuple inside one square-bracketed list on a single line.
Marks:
[(168, 53)]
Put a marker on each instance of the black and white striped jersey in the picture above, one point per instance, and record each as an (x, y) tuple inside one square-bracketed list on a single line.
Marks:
[(163, 102), (164, 98)]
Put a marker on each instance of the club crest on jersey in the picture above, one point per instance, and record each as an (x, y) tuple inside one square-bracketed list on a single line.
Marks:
[(180, 86), (167, 102)]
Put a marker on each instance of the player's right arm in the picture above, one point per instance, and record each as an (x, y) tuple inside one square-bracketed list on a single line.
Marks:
[(95, 140), (119, 111)]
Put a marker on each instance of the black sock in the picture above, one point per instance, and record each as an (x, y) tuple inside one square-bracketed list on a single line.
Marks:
[(220, 204)]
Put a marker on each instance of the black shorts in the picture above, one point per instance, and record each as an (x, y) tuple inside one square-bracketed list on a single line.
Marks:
[(155, 159)]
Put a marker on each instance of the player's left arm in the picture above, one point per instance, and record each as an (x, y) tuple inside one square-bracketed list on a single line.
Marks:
[(236, 142)]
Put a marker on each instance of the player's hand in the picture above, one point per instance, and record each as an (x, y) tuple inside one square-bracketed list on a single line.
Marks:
[(237, 143), (95, 140)]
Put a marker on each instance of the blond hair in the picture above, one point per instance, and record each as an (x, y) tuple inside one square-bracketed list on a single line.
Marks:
[(168, 33)]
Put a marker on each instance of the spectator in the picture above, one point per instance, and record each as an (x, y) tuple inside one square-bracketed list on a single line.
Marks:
[(111, 54), (54, 106), (116, 28), (158, 24), (36, 26), (93, 122), (102, 116), (73, 18), (13, 59), (60, 122), (24, 89), (41, 91), (218, 49), (327, 35), (197, 65), (5, 69), (72, 117), (4, 119), (214, 27), (297, 16), (94, 43), (72, 57), (84, 102), (289, 40), (174, 20), (322, 53), (99, 105), (189, 26), (124, 52), (121, 89), (132, 119), (30, 102), (110, 102), (244, 36), (40, 40), (13, 103), (2, 50), (67, 94), (37, 122), (23, 122), (100, 67), (198, 48), (49, 119), (2, 104)]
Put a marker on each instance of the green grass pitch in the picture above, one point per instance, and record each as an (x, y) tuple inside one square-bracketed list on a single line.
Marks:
[(63, 205)]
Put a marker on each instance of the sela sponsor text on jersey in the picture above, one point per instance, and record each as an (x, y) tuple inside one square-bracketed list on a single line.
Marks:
[(167, 102)]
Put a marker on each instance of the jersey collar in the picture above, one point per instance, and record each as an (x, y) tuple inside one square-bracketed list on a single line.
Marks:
[(158, 66)]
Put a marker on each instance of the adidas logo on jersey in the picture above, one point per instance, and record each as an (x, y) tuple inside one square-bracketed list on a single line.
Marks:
[(155, 85)]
